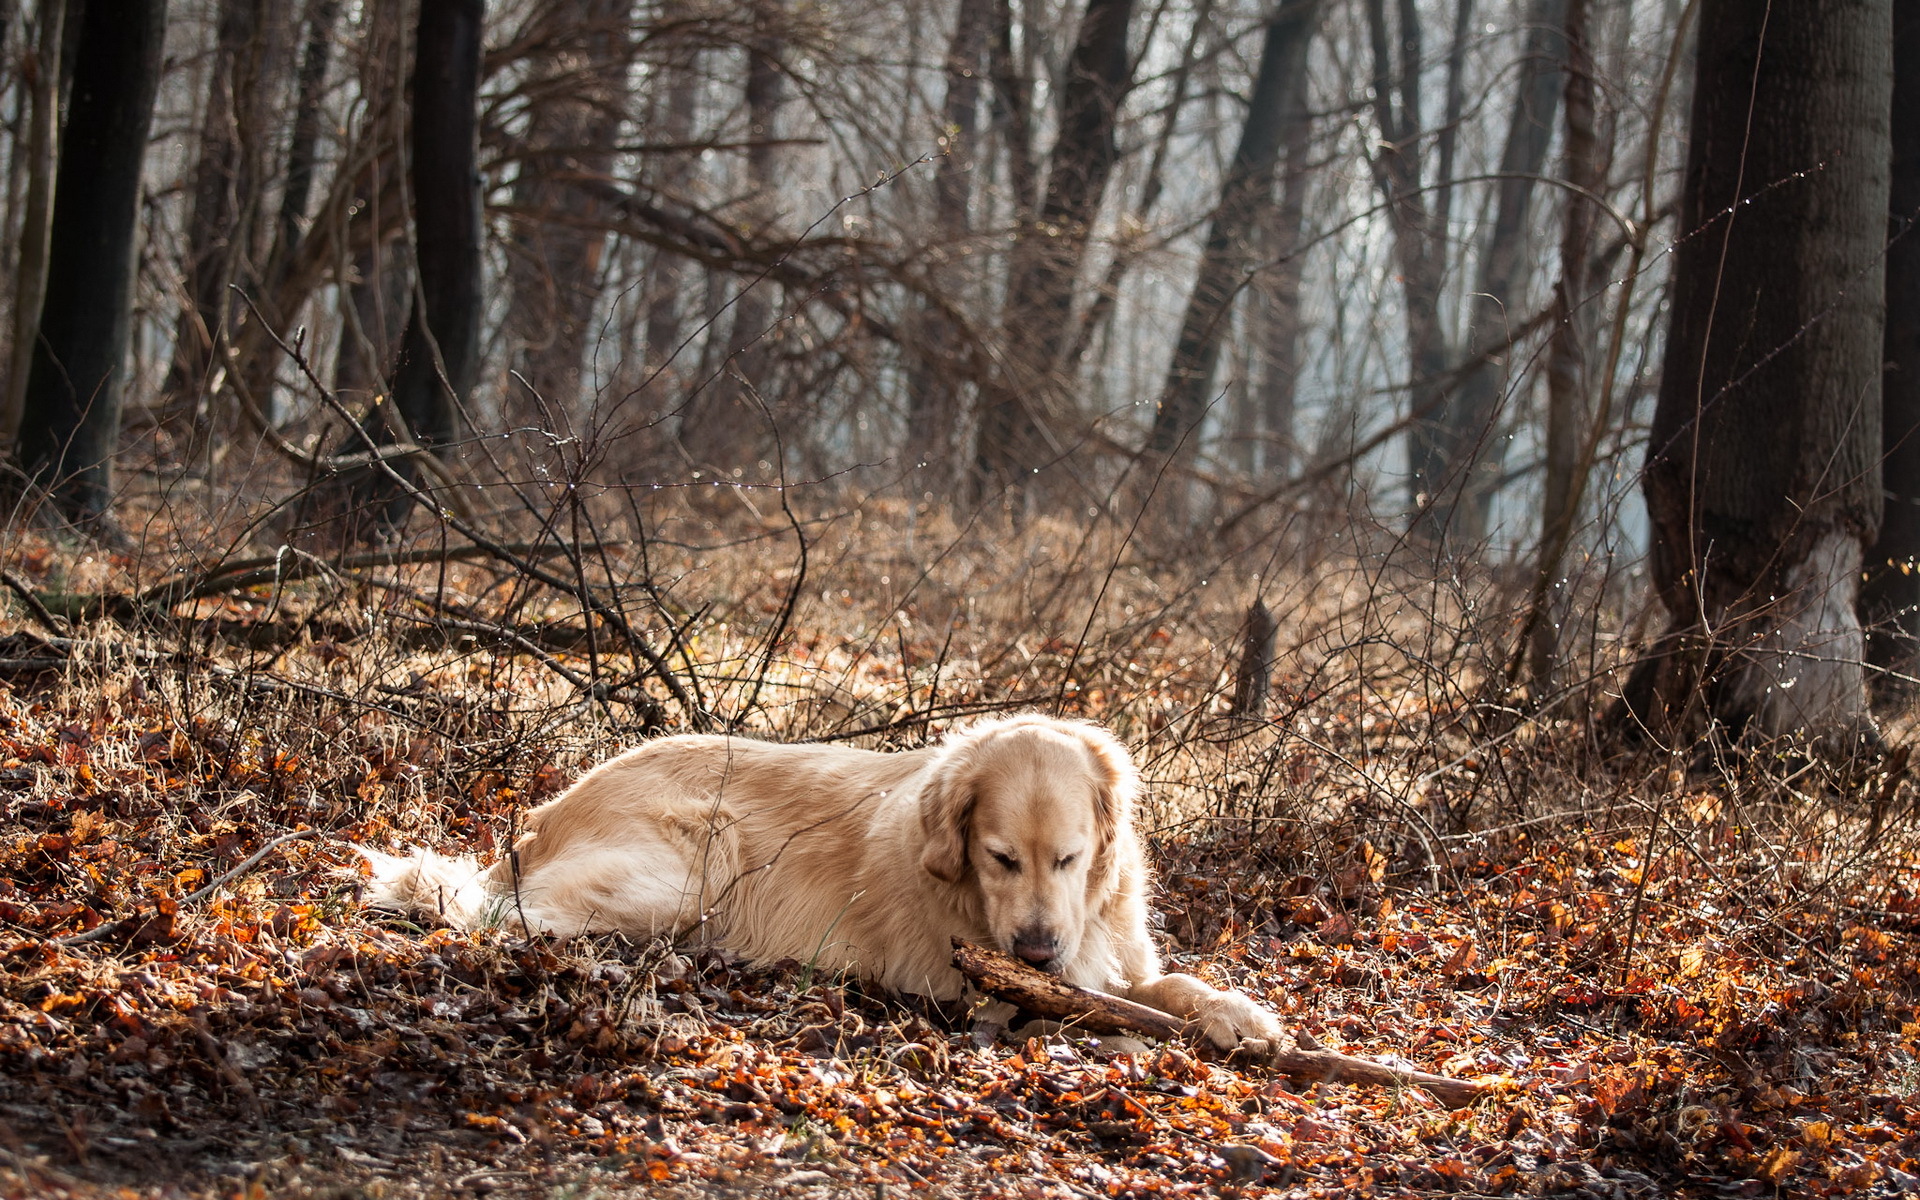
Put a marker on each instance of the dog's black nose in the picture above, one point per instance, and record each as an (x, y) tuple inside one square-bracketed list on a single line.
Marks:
[(1036, 947)]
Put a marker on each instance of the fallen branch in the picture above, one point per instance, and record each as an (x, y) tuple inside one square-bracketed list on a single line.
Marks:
[(139, 922), (1006, 978)]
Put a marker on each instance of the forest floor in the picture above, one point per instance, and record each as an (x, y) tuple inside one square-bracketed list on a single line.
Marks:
[(1678, 979)]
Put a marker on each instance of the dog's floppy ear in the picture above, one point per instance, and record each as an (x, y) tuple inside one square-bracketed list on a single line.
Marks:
[(946, 817), (1117, 782)]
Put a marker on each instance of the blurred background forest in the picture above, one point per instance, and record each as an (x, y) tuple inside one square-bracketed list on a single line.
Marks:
[(1464, 447)]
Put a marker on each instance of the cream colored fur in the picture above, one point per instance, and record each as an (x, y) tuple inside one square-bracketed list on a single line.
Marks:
[(1016, 832)]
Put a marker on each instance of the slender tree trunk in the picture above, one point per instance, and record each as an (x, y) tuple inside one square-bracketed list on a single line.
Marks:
[(667, 274), (1458, 455), (1419, 250), (302, 159), (223, 181), (1013, 440), (1247, 188), (725, 427), (1762, 477), (1569, 373), (554, 270), (933, 384), (1890, 598), (36, 221), (70, 424), (1279, 378)]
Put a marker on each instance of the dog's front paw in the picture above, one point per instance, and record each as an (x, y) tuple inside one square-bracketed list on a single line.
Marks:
[(1232, 1018)]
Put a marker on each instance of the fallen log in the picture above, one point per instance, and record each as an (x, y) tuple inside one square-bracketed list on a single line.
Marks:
[(1007, 978)]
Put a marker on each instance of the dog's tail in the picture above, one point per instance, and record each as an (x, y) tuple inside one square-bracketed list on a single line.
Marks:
[(434, 886)]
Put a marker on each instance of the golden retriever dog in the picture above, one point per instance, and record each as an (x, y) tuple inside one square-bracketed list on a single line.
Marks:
[(1015, 832)]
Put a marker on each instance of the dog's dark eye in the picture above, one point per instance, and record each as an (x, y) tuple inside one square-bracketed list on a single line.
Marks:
[(1062, 863), (1008, 861)]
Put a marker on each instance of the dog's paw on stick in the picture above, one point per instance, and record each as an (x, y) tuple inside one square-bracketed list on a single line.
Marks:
[(1007, 978)]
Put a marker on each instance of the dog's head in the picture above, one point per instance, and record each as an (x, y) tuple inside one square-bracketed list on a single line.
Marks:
[(1026, 811)]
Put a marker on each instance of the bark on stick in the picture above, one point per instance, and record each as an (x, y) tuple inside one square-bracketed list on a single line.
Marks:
[(1006, 978)]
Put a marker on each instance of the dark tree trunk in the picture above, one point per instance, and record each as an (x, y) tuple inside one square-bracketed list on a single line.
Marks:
[(1456, 457), (1013, 439), (1248, 186), (70, 423), (440, 350), (1890, 598), (1762, 477), (554, 268)]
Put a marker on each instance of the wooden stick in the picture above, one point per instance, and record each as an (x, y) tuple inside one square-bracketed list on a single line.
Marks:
[(1007, 978)]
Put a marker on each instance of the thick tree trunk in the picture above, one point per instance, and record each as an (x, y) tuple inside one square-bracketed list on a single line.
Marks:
[(1248, 186), (1013, 441), (70, 424), (440, 350), (1890, 597), (1457, 457), (554, 270), (1762, 478)]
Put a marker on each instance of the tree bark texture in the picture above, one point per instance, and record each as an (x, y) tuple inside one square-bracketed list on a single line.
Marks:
[(1014, 438), (1890, 597), (1005, 977), (440, 350), (70, 424), (1247, 188), (1762, 477)]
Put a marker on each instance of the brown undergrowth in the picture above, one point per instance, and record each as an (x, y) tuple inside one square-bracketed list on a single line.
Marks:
[(1686, 978)]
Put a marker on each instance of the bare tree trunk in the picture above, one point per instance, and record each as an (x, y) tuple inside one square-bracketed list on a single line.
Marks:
[(1569, 374), (1890, 597), (1278, 387), (36, 223), (1458, 455), (553, 271), (933, 384), (224, 180), (1013, 440), (440, 350), (725, 426), (1248, 186), (667, 274), (1762, 478), (1418, 247), (302, 159), (70, 421)]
